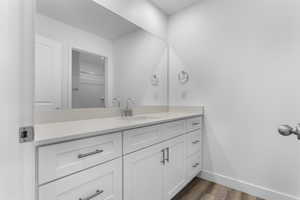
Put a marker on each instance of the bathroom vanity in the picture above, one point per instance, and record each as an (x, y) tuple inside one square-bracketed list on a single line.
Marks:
[(90, 71), (152, 156)]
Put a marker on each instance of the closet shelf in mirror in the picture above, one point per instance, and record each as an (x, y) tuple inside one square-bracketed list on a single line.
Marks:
[(90, 73), (89, 79), (92, 83)]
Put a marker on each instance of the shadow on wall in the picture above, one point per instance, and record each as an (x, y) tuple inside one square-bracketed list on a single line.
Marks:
[(136, 57), (196, 88), (209, 151), (156, 95), (178, 91)]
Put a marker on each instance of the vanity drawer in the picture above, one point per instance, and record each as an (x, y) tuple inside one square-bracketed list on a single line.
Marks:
[(141, 137), (194, 165), (194, 123), (102, 182), (172, 129), (58, 160), (194, 142)]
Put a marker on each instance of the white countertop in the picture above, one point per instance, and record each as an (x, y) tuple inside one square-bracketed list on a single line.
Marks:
[(63, 131)]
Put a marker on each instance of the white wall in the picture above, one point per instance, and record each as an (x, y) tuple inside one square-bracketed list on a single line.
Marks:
[(140, 12), (72, 37), (243, 58), (137, 56)]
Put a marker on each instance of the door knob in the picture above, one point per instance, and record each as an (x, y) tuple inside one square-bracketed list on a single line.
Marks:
[(297, 131), (286, 130)]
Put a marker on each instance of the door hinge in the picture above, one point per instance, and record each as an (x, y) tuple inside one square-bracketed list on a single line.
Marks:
[(26, 134)]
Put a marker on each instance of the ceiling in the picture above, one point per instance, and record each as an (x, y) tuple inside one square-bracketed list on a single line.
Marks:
[(172, 6), (86, 15)]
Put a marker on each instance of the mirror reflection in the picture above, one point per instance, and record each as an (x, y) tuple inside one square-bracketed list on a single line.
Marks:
[(88, 79), (88, 57)]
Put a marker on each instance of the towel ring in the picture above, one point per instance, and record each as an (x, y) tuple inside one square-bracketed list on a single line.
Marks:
[(183, 77)]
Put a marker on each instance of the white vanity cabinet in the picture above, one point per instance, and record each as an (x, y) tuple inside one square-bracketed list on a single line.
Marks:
[(194, 154), (143, 174), (175, 167), (59, 160), (83, 169), (99, 183), (157, 172), (160, 171), (145, 163), (139, 138)]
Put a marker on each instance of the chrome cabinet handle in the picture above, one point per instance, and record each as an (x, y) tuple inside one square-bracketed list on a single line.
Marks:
[(196, 165), (89, 154), (195, 123), (164, 157), (196, 142), (98, 192), (168, 154)]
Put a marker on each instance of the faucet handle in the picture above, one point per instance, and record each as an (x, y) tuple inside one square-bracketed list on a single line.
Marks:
[(129, 101), (117, 101)]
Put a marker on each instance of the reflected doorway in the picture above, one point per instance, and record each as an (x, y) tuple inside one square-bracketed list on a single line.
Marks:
[(88, 80)]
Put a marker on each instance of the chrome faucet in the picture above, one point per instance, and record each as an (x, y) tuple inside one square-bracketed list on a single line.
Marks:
[(127, 112), (117, 101)]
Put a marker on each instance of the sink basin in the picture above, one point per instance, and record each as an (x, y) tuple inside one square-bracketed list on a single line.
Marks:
[(133, 118)]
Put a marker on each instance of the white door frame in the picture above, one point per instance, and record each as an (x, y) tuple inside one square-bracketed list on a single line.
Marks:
[(108, 75), (27, 97), (17, 169)]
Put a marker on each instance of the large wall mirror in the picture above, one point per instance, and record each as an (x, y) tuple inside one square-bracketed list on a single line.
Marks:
[(88, 57)]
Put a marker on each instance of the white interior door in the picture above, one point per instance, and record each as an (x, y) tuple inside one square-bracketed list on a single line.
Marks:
[(48, 74), (16, 87)]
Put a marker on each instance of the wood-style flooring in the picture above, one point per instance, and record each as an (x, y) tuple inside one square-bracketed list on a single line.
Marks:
[(200, 189)]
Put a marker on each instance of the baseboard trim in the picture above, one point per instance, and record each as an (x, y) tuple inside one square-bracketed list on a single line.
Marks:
[(243, 186)]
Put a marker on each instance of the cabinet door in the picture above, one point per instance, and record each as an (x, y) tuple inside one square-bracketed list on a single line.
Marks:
[(103, 182), (143, 174), (174, 171), (48, 70)]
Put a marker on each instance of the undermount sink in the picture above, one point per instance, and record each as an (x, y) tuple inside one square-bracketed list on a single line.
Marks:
[(140, 117)]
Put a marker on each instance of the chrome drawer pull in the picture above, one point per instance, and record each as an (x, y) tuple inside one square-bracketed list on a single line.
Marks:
[(196, 142), (196, 165), (168, 154), (195, 123), (164, 157), (98, 192), (90, 154)]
